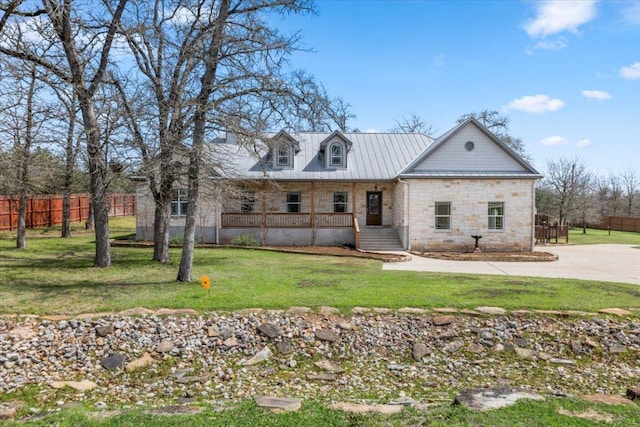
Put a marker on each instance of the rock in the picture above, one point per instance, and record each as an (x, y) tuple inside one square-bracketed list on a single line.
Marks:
[(231, 342), (282, 403), (270, 330), (329, 366), (404, 401), (192, 379), (559, 361), (165, 346), (520, 342), (299, 310), (484, 399), (525, 353), (360, 310), (138, 311), (213, 331), (175, 410), (615, 311), (359, 408), (475, 348), (321, 377), (8, 409), (100, 341), (397, 367), (453, 346), (325, 335), (381, 310), (633, 392), (176, 312), (591, 343), (284, 347), (491, 310), (139, 363), (616, 348), (84, 385), (261, 356), (103, 330), (589, 414), (576, 347), (412, 310), (112, 362), (443, 320), (607, 399), (345, 326), (419, 351), (445, 310), (328, 310)]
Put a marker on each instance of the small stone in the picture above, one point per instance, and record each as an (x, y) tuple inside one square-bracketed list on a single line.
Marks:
[(484, 399), (325, 335), (231, 342), (165, 346), (360, 310), (139, 363), (84, 385), (443, 320), (270, 330), (576, 347), (412, 310), (559, 361), (359, 408), (616, 348), (104, 330), (615, 311), (329, 366), (491, 310), (520, 342), (345, 326), (475, 348), (100, 341), (321, 377), (282, 403), (591, 343), (381, 310), (397, 367), (112, 362), (213, 331), (328, 310), (419, 351), (404, 401), (261, 356), (525, 353), (453, 346), (299, 310), (284, 347)]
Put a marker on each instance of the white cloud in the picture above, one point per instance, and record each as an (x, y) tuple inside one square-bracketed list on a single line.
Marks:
[(554, 141), (583, 143), (631, 14), (596, 94), (554, 45), (556, 16), (372, 130), (631, 72), (535, 104)]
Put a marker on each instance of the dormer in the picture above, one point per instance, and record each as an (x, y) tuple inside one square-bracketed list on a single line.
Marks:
[(283, 150), (334, 150)]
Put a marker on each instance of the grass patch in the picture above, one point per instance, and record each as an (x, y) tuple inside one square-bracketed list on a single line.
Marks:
[(55, 275), (593, 237), (525, 413)]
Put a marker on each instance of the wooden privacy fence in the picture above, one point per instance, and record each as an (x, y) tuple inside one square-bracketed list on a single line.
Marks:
[(618, 223), (46, 211), (546, 233)]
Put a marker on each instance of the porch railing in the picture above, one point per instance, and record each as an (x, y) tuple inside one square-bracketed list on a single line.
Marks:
[(287, 220)]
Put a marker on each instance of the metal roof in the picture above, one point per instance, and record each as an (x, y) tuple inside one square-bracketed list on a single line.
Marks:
[(371, 157)]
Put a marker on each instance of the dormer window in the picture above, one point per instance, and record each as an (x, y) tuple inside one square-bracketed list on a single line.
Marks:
[(283, 155), (336, 154)]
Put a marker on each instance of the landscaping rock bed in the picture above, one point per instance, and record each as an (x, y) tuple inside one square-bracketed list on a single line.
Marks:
[(111, 360), (536, 256)]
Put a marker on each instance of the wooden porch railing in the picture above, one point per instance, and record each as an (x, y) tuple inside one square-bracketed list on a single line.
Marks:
[(356, 232), (286, 220)]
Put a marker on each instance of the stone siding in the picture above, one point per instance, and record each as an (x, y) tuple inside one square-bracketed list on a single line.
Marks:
[(469, 214)]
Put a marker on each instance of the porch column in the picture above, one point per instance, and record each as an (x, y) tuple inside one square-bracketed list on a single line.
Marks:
[(313, 205)]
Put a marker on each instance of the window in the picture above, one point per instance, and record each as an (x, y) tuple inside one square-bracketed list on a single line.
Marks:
[(496, 216), (336, 154), (294, 200), (340, 199), (247, 201), (179, 202), (282, 157), (443, 215)]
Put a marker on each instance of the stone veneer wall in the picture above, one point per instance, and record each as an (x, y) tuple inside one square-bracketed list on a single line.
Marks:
[(469, 214)]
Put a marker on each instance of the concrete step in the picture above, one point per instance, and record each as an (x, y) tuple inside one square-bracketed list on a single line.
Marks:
[(380, 239)]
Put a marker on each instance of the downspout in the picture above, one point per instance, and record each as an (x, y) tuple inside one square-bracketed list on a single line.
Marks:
[(533, 214), (218, 220), (406, 212)]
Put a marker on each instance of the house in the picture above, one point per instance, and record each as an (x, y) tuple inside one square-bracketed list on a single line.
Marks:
[(376, 191)]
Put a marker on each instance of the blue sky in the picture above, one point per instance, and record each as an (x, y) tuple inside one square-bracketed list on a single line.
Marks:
[(566, 73)]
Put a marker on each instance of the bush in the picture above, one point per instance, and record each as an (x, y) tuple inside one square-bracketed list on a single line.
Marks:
[(245, 240), (177, 239)]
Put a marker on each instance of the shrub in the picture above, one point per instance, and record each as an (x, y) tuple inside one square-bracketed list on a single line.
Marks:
[(245, 240)]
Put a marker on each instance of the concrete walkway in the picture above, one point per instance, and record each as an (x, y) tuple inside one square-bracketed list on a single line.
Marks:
[(607, 263)]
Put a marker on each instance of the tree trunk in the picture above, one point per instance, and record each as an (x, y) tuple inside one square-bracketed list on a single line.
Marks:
[(88, 225), (161, 230), (68, 174), (25, 158), (66, 213), (21, 242), (186, 261)]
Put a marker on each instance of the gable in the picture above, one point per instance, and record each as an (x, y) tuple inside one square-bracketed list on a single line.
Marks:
[(469, 149)]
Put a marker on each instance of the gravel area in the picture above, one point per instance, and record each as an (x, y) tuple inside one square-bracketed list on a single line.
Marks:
[(166, 357)]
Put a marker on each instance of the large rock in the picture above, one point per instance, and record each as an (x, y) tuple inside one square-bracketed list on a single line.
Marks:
[(270, 330), (104, 330), (419, 351), (282, 403), (491, 310), (112, 362), (165, 346), (443, 320), (329, 366), (84, 385), (615, 311), (139, 363), (359, 408), (607, 399), (261, 356), (325, 335), (485, 399)]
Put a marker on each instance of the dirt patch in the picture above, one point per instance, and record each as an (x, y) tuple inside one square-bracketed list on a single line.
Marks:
[(492, 256)]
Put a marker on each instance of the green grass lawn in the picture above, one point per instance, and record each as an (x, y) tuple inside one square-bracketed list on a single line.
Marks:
[(593, 236), (55, 276)]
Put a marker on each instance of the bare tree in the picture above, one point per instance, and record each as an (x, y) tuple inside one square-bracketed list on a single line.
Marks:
[(630, 182), (615, 194), (568, 181), (74, 44), (413, 124)]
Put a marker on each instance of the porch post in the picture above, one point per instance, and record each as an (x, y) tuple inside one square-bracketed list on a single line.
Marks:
[(312, 209)]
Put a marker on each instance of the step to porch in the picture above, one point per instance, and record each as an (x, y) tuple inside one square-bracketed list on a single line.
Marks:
[(380, 239)]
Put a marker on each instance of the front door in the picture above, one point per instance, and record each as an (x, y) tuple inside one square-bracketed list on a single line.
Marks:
[(374, 208)]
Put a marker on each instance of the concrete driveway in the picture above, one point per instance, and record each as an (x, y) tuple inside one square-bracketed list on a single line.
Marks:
[(607, 263)]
